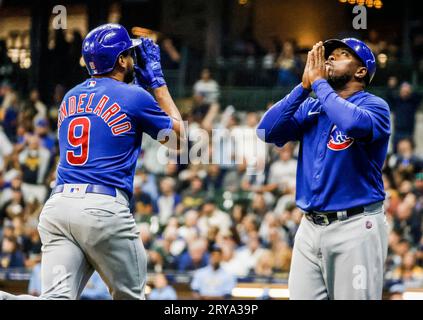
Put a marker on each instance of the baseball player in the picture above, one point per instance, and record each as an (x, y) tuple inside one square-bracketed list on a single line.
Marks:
[(341, 244), (86, 224)]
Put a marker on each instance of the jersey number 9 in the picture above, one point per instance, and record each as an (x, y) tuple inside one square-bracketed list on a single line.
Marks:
[(80, 141)]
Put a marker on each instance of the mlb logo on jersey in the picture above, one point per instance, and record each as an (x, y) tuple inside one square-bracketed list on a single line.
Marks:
[(339, 141), (91, 83), (73, 190)]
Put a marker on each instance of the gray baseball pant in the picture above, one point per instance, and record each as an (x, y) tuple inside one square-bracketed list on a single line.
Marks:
[(343, 261), (85, 231)]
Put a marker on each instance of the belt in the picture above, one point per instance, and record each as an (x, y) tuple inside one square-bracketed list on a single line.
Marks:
[(326, 218), (91, 188)]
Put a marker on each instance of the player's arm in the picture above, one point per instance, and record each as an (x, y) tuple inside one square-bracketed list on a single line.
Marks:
[(282, 122), (149, 74), (165, 101), (355, 121)]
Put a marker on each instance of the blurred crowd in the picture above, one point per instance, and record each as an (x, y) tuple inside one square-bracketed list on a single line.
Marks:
[(280, 62), (219, 222), (244, 61)]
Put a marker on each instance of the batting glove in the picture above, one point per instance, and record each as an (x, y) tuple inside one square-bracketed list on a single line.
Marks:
[(148, 72)]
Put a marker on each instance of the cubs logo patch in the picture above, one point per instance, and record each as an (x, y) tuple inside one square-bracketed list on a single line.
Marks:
[(339, 141)]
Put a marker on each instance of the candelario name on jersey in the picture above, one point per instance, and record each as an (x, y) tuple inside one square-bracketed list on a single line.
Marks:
[(107, 110)]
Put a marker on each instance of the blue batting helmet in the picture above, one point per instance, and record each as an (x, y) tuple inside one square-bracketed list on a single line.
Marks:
[(360, 50), (103, 45)]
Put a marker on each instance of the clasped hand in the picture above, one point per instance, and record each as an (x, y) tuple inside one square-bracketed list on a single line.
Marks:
[(315, 66)]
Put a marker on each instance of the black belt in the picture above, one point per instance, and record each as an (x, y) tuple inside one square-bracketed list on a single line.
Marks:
[(91, 188), (326, 218)]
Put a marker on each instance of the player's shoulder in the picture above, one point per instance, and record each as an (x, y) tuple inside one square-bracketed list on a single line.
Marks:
[(75, 90), (135, 94), (370, 99)]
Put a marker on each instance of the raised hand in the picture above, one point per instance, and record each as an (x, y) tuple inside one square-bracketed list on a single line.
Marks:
[(306, 81), (317, 68), (148, 72)]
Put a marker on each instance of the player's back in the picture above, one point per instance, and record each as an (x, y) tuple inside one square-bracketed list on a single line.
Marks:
[(100, 125)]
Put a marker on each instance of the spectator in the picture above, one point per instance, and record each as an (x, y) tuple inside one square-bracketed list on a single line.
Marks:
[(404, 105), (9, 111), (282, 254), (193, 197), (259, 207), (170, 56), (34, 285), (178, 244), (397, 249), (13, 207), (143, 211), (250, 148), (268, 63), (47, 140), (213, 282), (147, 183), (35, 109), (396, 291), (248, 255), (214, 180), (6, 149), (31, 244), (161, 256), (211, 216), (145, 235), (289, 65), (229, 263), (405, 163), (196, 257), (162, 290), (168, 200), (282, 173), (249, 224), (374, 42), (409, 272), (222, 140), (200, 108), (207, 87), (12, 183), (408, 220), (265, 264), (150, 156), (96, 289), (11, 256), (34, 161), (190, 230)]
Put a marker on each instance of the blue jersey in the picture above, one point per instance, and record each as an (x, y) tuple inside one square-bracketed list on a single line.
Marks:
[(100, 125), (343, 145)]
